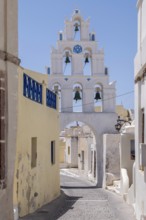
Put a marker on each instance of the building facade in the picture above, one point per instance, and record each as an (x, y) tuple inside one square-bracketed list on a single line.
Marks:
[(79, 150), (140, 111), (79, 76), (127, 161), (8, 103), (36, 180)]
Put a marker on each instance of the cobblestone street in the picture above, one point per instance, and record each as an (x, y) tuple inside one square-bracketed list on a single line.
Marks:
[(80, 200)]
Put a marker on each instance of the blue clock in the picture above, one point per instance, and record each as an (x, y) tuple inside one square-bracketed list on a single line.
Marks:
[(77, 49)]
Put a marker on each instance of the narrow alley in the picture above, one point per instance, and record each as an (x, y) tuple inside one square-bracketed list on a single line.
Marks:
[(72, 110), (81, 200)]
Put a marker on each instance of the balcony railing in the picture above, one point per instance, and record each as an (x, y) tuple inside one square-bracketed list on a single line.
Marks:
[(50, 99), (32, 89)]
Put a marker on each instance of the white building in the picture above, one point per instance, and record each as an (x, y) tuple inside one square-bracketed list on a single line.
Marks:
[(79, 76), (127, 161), (140, 110), (80, 149)]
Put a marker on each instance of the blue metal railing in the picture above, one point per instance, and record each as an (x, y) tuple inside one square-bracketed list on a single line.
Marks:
[(50, 99), (32, 89)]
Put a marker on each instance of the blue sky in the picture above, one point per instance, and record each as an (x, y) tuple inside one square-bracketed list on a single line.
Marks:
[(115, 25)]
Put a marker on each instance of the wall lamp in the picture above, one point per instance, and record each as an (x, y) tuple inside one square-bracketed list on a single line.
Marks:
[(121, 122)]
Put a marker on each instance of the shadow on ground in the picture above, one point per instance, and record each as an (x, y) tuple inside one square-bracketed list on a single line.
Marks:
[(54, 209)]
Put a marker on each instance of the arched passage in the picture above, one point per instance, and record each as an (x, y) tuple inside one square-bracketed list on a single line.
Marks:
[(100, 124), (78, 148)]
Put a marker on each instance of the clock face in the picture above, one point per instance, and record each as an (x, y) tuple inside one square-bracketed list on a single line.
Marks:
[(77, 49)]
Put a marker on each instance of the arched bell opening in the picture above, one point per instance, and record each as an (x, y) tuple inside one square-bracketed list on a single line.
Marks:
[(77, 30), (67, 62), (87, 63), (77, 98), (98, 98), (57, 90), (78, 148)]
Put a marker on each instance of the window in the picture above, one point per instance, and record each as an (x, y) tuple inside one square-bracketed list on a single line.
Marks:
[(52, 152), (33, 152), (68, 150), (132, 149)]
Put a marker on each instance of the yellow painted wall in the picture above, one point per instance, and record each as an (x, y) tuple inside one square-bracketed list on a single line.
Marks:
[(120, 110), (34, 187), (97, 108)]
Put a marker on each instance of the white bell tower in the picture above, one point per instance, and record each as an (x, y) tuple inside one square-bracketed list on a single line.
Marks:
[(79, 76)]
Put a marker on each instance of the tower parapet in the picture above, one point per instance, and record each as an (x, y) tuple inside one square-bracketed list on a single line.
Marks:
[(77, 62)]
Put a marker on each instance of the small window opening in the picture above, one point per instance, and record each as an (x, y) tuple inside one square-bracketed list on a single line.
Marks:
[(68, 150), (132, 149), (33, 152), (52, 152)]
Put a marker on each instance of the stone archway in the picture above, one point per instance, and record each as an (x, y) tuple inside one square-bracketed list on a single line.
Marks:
[(100, 124), (78, 148)]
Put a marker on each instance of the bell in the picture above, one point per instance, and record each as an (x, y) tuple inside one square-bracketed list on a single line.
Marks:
[(77, 96), (86, 60), (67, 60), (76, 28), (97, 96)]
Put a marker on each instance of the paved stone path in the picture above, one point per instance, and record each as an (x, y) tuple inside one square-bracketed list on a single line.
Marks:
[(81, 200)]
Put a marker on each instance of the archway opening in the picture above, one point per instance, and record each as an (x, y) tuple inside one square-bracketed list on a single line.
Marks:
[(67, 62), (87, 71), (98, 98), (77, 98), (77, 30), (78, 149)]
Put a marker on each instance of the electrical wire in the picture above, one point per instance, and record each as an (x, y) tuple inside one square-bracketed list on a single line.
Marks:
[(89, 103)]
